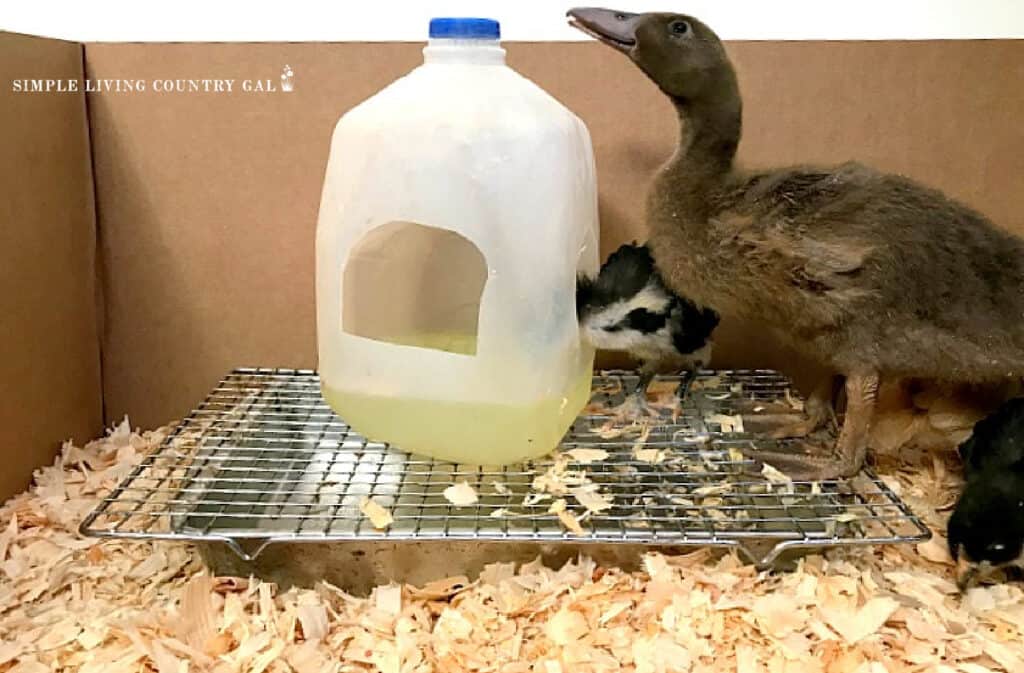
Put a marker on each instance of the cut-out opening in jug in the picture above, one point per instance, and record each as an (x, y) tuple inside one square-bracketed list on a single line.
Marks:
[(415, 285)]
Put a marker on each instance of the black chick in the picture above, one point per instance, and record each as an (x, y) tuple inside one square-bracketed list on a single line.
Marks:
[(987, 525), (628, 308)]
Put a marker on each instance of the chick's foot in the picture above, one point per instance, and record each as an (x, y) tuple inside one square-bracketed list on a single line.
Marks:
[(634, 408)]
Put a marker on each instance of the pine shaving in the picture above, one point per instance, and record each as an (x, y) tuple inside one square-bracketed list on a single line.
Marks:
[(566, 627), (652, 456), (587, 456), (777, 478), (591, 499), (647, 455), (610, 431), (936, 550), (379, 517), (568, 519), (557, 506), (74, 604), (461, 494), (855, 625), (314, 621), (729, 424)]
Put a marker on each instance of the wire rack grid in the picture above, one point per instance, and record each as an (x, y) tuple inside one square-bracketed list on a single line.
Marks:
[(264, 460)]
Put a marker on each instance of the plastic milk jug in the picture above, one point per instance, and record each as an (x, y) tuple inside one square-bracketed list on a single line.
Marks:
[(459, 204)]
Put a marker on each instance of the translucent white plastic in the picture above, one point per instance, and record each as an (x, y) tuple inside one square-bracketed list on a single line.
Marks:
[(458, 206)]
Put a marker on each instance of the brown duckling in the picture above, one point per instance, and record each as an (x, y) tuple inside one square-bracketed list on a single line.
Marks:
[(871, 274)]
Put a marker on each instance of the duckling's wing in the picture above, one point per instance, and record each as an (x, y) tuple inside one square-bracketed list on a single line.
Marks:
[(818, 262), (785, 221)]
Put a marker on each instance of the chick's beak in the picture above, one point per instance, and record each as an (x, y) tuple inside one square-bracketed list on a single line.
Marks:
[(614, 28)]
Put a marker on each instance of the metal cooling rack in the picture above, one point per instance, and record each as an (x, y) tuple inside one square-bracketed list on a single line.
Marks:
[(264, 460)]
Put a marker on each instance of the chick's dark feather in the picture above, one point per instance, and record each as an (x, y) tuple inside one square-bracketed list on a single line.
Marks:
[(624, 274), (987, 524), (628, 307), (997, 441)]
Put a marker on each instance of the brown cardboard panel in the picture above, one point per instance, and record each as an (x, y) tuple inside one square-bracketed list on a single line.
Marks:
[(208, 202), (49, 349)]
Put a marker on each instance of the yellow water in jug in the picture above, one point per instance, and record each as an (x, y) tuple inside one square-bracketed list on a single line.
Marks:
[(462, 432)]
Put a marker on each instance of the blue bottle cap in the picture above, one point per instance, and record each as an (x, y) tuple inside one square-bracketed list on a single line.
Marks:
[(464, 29)]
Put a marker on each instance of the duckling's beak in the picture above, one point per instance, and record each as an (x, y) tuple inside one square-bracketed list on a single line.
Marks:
[(614, 28)]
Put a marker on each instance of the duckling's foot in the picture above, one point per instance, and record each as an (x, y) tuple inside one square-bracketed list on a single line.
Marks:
[(780, 426), (851, 447), (804, 467), (818, 412)]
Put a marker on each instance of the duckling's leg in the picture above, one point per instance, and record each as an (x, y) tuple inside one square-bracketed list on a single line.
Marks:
[(635, 405), (851, 447)]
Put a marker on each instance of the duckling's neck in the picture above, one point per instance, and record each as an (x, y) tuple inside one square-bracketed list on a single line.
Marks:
[(709, 135)]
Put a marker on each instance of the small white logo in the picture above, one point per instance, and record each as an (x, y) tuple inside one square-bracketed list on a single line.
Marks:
[(287, 79)]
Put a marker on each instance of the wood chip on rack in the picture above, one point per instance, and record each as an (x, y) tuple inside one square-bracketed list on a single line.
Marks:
[(611, 431), (645, 454), (461, 494), (587, 456), (91, 606), (777, 478), (378, 515), (568, 519), (729, 424), (592, 499)]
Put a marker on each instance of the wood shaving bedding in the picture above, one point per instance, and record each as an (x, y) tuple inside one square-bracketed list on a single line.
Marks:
[(729, 424), (568, 519), (461, 494), (587, 456), (610, 431), (378, 516), (92, 606)]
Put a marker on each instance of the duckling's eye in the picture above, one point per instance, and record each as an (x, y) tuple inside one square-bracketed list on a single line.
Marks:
[(679, 27)]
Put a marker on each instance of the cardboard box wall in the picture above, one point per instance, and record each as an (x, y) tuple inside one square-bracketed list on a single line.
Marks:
[(205, 203)]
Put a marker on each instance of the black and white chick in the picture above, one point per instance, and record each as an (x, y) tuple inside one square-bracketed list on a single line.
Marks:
[(627, 308), (986, 529)]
